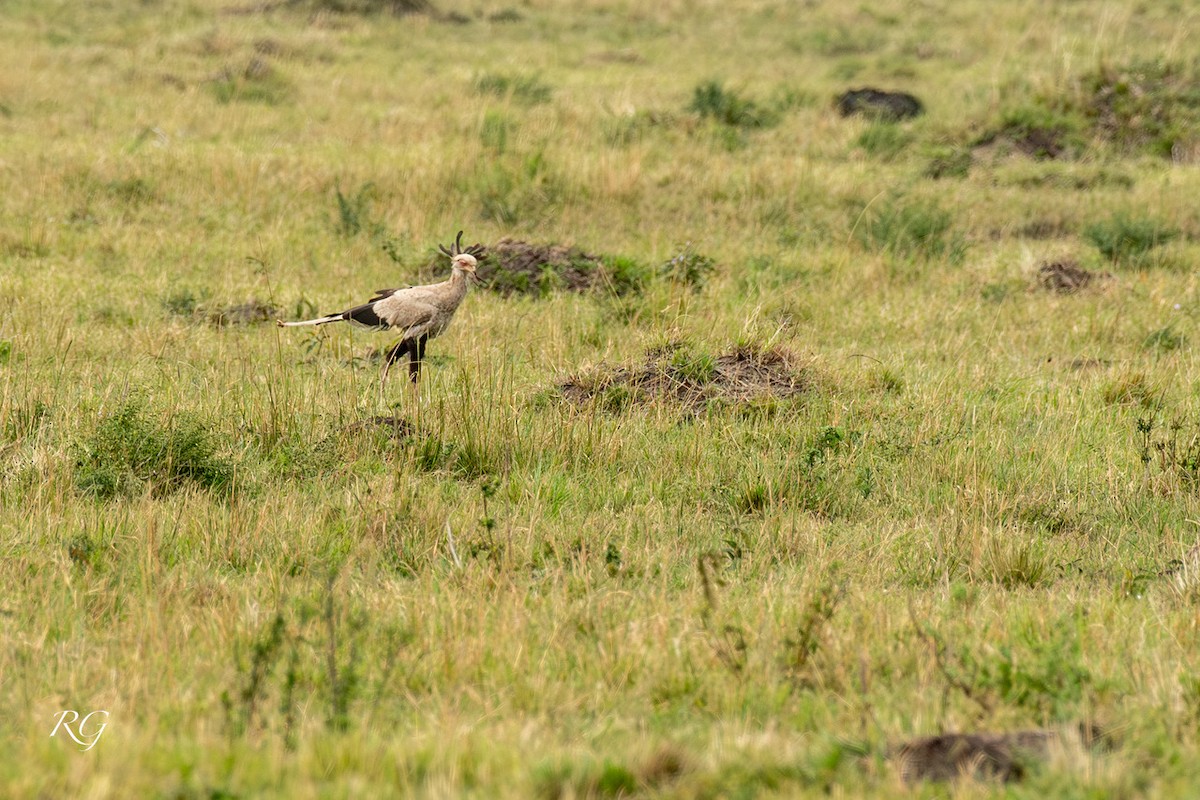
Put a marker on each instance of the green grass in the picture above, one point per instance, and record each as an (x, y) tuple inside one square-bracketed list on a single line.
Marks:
[(977, 516)]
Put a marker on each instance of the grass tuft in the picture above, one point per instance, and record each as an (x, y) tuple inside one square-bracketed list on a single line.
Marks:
[(711, 100)]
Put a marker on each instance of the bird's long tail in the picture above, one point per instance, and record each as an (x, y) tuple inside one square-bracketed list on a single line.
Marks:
[(317, 321)]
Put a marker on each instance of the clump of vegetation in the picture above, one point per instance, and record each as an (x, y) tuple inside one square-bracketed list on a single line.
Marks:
[(1146, 105), (688, 267), (689, 376), (528, 90), (1127, 239), (133, 450), (257, 82), (918, 229), (711, 100)]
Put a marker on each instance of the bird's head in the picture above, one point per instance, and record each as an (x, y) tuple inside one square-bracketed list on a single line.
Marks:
[(464, 261)]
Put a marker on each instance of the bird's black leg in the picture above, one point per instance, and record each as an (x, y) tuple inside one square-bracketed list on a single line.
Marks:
[(416, 354)]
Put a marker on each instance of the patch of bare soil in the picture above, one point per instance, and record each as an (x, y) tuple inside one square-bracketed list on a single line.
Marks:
[(1067, 277), (989, 756), (516, 267), (251, 312), (678, 374)]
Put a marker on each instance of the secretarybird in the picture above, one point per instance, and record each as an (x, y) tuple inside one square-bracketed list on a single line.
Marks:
[(419, 313)]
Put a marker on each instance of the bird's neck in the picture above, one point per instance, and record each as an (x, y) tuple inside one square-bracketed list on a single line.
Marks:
[(458, 282)]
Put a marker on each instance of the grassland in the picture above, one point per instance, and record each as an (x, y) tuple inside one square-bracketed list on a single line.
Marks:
[(978, 515)]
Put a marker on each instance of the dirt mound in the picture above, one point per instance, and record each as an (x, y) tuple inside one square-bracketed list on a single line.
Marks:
[(879, 105), (1067, 277), (1003, 756), (680, 374), (516, 267)]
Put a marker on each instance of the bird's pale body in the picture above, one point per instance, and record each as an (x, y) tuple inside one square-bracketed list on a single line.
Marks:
[(418, 313)]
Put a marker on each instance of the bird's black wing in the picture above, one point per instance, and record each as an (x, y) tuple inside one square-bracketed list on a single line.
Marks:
[(366, 316)]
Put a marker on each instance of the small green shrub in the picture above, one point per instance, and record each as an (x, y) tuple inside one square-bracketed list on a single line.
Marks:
[(132, 451), (625, 275), (1127, 239), (713, 101)]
